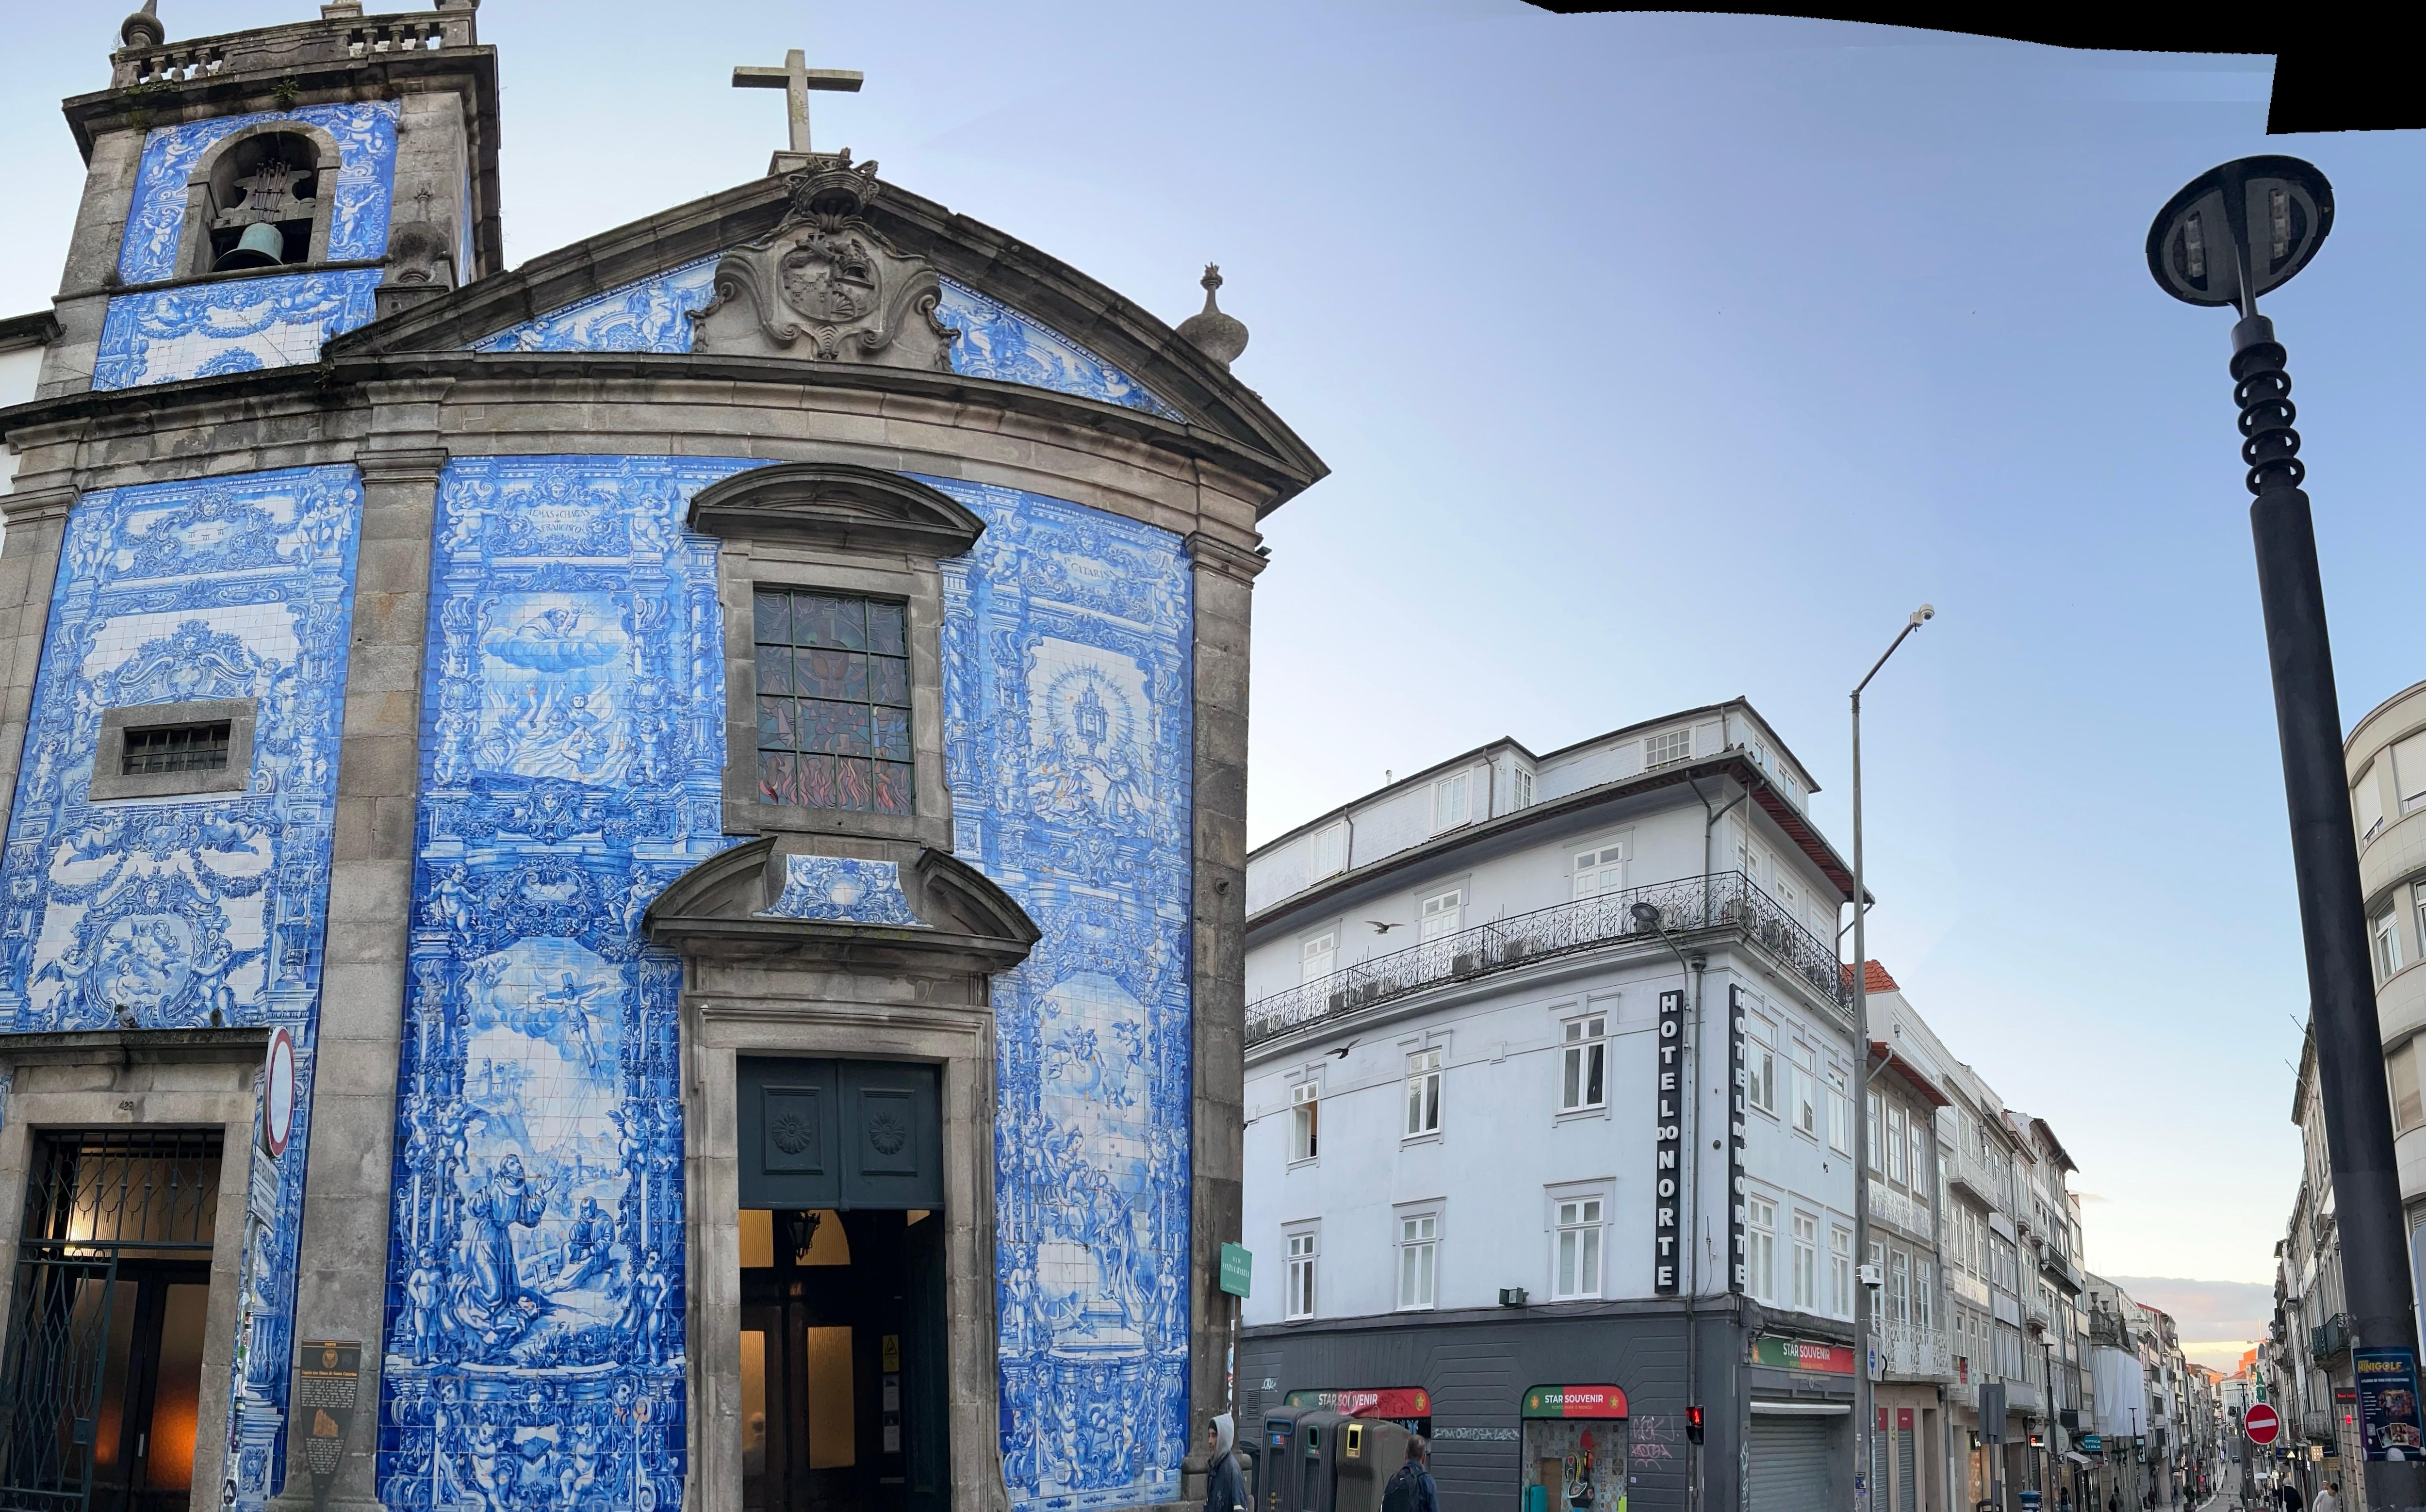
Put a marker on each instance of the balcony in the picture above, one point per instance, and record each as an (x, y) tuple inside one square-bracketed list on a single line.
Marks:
[(2329, 1338), (1964, 1165), (2058, 1267), (1907, 1213), (2317, 1425), (1914, 1352), (1689, 907), (1966, 1288)]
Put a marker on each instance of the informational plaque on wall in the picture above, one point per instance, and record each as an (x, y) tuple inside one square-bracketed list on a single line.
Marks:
[(320, 1407)]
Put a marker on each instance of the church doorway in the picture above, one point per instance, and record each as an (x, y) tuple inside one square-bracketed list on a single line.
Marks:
[(103, 1375), (843, 1358)]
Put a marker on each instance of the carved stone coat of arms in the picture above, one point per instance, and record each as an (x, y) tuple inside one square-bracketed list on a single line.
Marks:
[(826, 285)]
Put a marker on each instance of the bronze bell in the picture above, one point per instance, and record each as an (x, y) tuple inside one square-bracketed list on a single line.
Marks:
[(264, 246)]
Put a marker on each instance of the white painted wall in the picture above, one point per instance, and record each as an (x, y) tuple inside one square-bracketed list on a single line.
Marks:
[(17, 367)]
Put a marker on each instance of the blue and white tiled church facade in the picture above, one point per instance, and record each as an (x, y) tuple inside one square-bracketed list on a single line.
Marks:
[(571, 760), (535, 1299)]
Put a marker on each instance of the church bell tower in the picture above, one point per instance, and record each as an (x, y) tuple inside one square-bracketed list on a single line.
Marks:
[(250, 195)]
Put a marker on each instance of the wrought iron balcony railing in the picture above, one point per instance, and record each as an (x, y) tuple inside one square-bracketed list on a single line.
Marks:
[(1725, 900)]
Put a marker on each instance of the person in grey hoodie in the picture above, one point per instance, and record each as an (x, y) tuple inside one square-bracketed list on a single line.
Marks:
[(1225, 1486)]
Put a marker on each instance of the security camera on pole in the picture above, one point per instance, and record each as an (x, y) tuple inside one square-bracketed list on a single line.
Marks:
[(2231, 234)]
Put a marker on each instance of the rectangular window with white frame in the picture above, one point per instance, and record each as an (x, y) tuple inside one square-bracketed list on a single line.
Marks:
[(1900, 1287), (1440, 914), (1583, 1064), (1520, 783), (1305, 1121), (1575, 1260), (1878, 1155), (1840, 1112), (1670, 746), (1423, 1093), (1807, 1260), (1317, 955), (1805, 1100), (1452, 801), (1304, 1252), (1418, 1259), (1330, 848), (1924, 1306), (1760, 1064), (1840, 1271), (2401, 1067), (2386, 928), (1894, 1145), (1760, 1244), (1600, 868)]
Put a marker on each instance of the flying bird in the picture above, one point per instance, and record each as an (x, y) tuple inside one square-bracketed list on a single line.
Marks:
[(1380, 928), (1341, 1054)]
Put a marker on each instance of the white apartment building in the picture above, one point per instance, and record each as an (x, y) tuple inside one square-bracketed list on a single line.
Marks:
[(1550, 1067)]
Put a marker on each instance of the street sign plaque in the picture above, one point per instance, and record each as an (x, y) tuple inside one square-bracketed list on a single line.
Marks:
[(2261, 1425)]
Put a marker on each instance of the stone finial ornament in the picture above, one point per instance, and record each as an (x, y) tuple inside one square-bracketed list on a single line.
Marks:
[(1219, 336), (143, 28)]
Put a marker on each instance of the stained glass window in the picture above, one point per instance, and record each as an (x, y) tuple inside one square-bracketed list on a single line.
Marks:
[(834, 702)]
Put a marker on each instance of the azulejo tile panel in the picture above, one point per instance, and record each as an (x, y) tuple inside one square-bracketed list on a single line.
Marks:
[(997, 341), (841, 890), (650, 314), (207, 330), (366, 184), (1068, 728), (572, 765), (184, 912), (653, 314)]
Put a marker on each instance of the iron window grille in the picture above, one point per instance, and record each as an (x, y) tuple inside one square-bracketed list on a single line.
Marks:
[(153, 749), (104, 1211)]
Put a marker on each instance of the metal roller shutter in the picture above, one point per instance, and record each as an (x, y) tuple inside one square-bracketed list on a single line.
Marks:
[(1907, 1473), (1788, 1467)]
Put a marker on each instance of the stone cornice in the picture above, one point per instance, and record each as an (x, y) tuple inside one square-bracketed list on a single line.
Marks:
[(328, 383), (1228, 558)]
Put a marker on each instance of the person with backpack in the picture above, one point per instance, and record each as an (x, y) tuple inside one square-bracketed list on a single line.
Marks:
[(1411, 1488), (1225, 1485)]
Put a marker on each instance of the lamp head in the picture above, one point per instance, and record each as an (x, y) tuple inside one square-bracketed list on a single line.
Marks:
[(1646, 914), (1923, 614)]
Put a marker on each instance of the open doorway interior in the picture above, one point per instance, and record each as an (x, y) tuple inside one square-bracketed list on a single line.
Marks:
[(107, 1312), (842, 1361)]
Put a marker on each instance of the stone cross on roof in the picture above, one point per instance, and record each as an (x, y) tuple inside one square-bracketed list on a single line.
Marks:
[(796, 79)]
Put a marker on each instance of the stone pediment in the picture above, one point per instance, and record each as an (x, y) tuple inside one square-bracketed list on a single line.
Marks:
[(825, 285), (658, 251), (748, 902), (836, 504)]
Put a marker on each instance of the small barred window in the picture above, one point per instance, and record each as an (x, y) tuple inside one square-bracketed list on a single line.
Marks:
[(834, 702)]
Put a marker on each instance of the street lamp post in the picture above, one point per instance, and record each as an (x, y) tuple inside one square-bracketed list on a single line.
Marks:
[(1865, 1470), (2231, 234)]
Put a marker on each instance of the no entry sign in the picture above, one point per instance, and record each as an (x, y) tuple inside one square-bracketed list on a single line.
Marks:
[(2261, 1424)]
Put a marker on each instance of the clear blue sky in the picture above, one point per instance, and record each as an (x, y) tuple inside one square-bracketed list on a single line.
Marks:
[(1662, 358)]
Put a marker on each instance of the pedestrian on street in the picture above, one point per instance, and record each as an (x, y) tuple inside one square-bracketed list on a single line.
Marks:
[(2292, 1499), (1225, 1489), (1411, 1490), (2329, 1500)]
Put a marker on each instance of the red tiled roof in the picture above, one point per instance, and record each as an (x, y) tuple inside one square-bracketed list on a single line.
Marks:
[(1874, 978)]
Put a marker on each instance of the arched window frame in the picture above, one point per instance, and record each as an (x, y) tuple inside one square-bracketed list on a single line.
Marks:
[(845, 529), (194, 255)]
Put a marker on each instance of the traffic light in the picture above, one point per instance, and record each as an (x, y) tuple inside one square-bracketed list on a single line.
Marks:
[(1693, 1424)]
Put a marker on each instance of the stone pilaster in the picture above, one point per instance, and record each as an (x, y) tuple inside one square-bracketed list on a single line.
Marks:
[(340, 1285), (1223, 577), (37, 521)]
